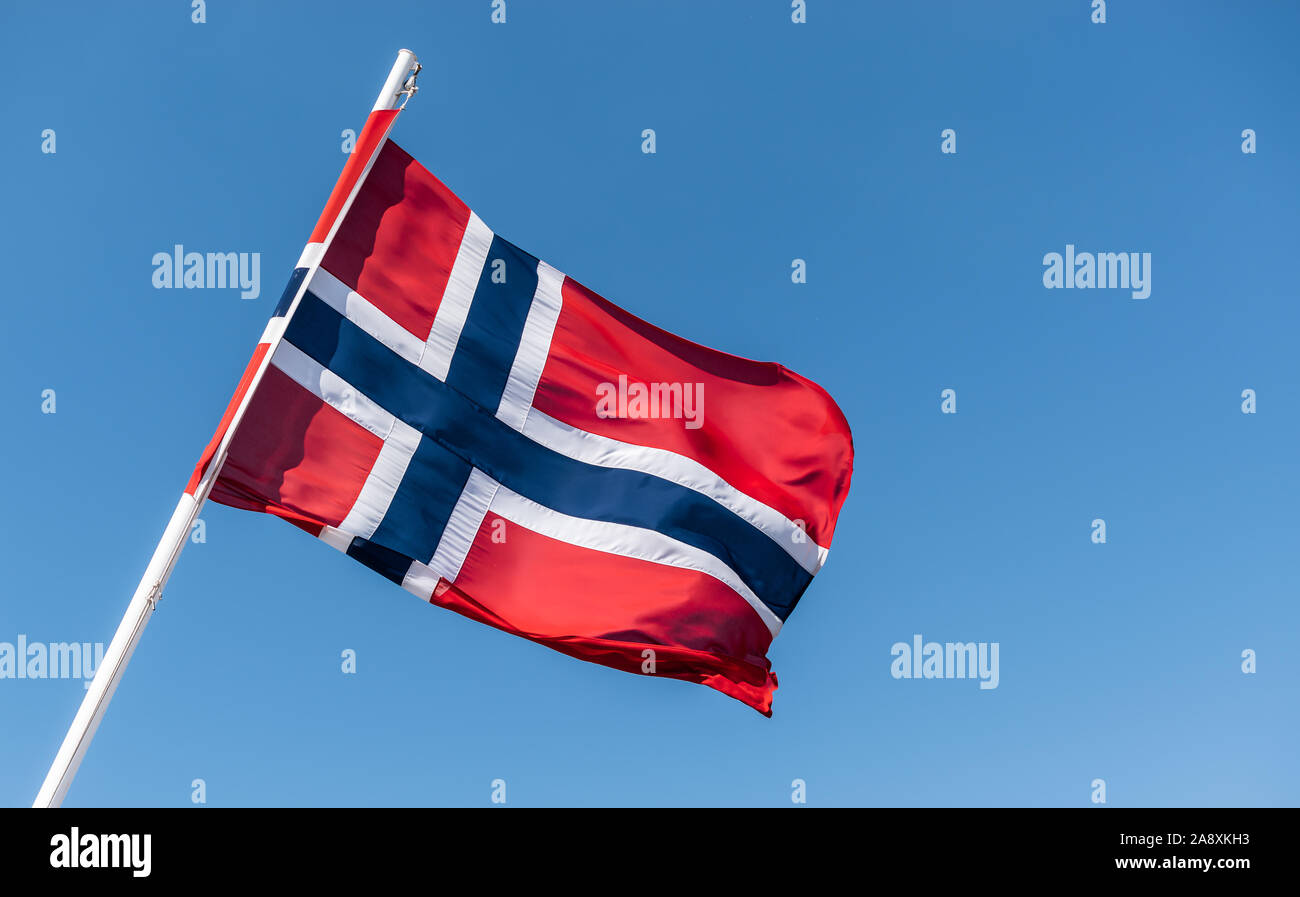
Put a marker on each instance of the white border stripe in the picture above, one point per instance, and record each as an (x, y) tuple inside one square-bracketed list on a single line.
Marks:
[(420, 581), (605, 452), (312, 253), (332, 389), (335, 538), (273, 331), (463, 525), (534, 347), (626, 541), (381, 483), (456, 299), (357, 309)]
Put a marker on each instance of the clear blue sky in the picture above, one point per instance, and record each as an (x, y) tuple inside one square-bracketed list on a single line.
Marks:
[(776, 141)]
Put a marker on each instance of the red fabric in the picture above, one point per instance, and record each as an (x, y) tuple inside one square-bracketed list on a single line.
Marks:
[(374, 130), (771, 433), (296, 457), (609, 609), (206, 458), (399, 240)]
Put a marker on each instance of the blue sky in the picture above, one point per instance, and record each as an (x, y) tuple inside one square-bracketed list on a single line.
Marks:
[(1120, 661)]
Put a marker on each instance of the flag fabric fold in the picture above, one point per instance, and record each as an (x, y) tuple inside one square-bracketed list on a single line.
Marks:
[(496, 438)]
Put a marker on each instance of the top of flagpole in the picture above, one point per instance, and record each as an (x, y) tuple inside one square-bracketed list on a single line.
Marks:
[(400, 83)]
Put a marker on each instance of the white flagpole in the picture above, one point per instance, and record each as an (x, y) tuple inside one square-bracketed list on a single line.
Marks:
[(400, 83)]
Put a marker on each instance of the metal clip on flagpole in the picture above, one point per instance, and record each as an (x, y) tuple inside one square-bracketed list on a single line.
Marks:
[(400, 83), (409, 89)]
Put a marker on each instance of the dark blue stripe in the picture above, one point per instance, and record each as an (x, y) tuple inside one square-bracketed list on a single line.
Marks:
[(423, 503), (286, 298), (494, 325), (549, 478), (383, 561)]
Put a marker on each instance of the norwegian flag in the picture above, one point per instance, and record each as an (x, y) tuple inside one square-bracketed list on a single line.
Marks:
[(501, 441)]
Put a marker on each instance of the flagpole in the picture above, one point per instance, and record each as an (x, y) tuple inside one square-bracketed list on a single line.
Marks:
[(400, 83)]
